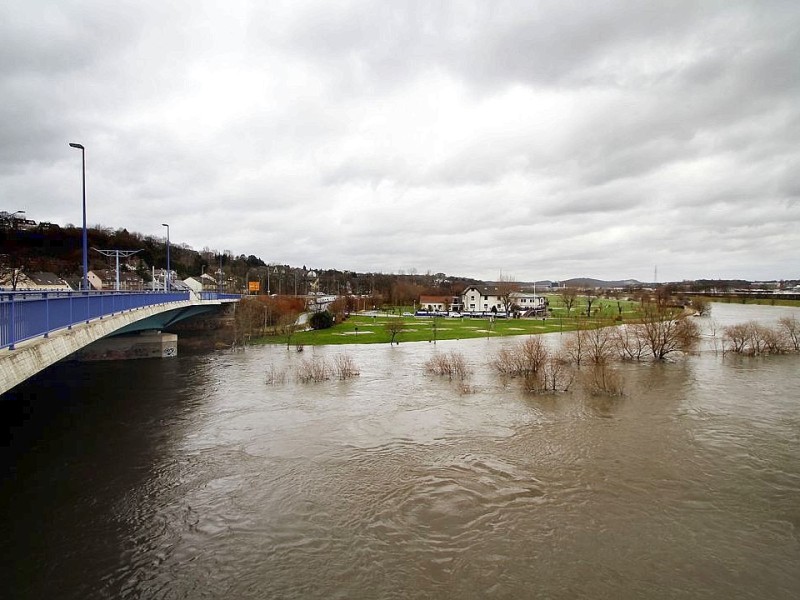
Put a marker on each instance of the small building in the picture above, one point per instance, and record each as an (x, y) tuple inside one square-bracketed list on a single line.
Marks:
[(487, 299), (435, 304), (106, 279), (39, 281), (202, 283), (528, 303)]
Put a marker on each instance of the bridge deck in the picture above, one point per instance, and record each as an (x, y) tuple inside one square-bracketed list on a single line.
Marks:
[(37, 330)]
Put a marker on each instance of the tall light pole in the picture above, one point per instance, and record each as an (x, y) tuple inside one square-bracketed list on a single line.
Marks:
[(166, 277), (85, 284)]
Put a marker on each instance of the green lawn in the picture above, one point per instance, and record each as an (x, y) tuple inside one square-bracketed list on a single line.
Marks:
[(361, 329)]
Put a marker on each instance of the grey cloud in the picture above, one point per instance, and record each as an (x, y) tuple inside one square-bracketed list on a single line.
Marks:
[(307, 133)]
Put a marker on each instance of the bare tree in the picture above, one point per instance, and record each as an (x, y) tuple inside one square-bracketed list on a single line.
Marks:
[(791, 329), (591, 296), (702, 306), (569, 296), (451, 365), (506, 287), (736, 337), (575, 345), (599, 344), (629, 341), (522, 359), (603, 380), (556, 376), (344, 367), (12, 267), (664, 332), (755, 339), (286, 326), (393, 327)]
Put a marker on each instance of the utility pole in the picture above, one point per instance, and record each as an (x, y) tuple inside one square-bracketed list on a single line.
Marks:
[(117, 254)]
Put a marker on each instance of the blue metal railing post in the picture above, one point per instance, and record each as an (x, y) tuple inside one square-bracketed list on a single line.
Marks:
[(46, 316), (12, 325)]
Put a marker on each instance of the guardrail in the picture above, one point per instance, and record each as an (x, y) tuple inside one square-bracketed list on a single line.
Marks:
[(219, 296), (27, 315)]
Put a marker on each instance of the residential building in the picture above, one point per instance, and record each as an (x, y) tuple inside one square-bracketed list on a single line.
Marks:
[(528, 303), (486, 299), (202, 283), (40, 281), (106, 279), (436, 303)]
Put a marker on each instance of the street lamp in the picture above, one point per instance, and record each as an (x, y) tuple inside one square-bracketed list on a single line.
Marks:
[(166, 277), (85, 284)]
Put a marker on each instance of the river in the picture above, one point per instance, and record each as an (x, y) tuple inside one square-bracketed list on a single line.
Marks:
[(220, 476)]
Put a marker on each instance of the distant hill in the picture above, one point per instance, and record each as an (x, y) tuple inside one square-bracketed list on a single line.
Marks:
[(588, 282), (579, 283)]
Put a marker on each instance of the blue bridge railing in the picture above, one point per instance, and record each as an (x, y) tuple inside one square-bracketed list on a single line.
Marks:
[(27, 315)]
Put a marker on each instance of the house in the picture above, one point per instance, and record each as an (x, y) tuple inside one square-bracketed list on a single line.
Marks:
[(40, 281), (528, 303), (106, 279), (202, 283), (486, 299), (479, 299), (436, 304)]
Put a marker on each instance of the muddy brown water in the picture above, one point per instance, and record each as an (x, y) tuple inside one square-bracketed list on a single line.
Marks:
[(195, 478)]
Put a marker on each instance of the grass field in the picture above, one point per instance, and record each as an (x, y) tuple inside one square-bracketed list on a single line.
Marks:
[(369, 329)]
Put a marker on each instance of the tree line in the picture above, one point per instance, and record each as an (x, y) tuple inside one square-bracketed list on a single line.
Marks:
[(58, 250)]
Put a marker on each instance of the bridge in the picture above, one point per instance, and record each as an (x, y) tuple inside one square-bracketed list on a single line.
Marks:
[(38, 329)]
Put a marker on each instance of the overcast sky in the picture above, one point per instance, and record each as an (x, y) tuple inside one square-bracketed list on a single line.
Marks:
[(543, 140)]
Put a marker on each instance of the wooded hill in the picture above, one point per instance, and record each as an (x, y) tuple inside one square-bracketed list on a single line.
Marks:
[(48, 247)]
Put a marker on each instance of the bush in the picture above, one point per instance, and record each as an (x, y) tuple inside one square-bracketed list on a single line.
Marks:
[(344, 367), (451, 365), (521, 359), (321, 320), (313, 370)]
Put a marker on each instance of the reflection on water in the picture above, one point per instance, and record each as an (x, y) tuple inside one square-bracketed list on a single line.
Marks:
[(194, 478)]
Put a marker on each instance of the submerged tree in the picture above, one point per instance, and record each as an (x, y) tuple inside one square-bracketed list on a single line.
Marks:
[(665, 332)]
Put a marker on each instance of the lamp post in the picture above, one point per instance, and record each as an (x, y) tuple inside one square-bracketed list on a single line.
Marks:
[(85, 283), (166, 277)]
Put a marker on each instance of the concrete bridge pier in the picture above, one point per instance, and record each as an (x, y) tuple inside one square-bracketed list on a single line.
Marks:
[(143, 344)]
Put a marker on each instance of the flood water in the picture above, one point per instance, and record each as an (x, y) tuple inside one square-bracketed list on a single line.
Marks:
[(196, 478)]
